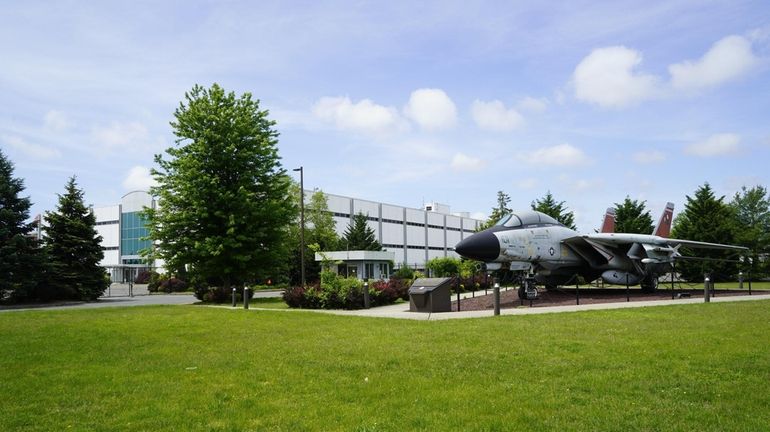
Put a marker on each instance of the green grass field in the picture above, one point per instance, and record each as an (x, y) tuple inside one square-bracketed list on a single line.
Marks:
[(688, 367)]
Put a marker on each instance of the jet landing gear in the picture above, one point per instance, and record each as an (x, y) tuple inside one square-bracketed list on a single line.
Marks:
[(528, 289), (649, 284)]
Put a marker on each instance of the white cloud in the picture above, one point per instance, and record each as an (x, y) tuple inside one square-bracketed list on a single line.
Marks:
[(535, 105), (606, 77), (649, 157), (494, 116), (727, 59), (462, 162), (527, 183), (119, 135), (364, 116), (715, 145), (56, 121), (432, 109), (30, 149), (138, 178), (582, 185), (560, 155)]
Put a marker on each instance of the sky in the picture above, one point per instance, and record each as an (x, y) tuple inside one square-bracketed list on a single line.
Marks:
[(403, 102)]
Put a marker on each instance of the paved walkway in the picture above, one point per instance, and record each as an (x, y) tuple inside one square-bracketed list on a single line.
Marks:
[(401, 310)]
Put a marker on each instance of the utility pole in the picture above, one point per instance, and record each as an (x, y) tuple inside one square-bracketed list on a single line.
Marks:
[(301, 222)]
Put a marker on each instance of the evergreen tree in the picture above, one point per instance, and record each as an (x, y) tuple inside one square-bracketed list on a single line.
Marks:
[(556, 210), (752, 218), (631, 217), (224, 205), (359, 236), (500, 210), (705, 218), (74, 248), (22, 266)]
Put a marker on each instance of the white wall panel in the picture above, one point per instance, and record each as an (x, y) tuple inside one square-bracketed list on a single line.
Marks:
[(435, 237), (415, 216), (392, 212), (415, 236), (392, 233), (435, 219), (452, 238), (338, 204), (111, 257), (340, 224), (435, 254), (110, 234), (368, 208), (415, 256), (453, 221)]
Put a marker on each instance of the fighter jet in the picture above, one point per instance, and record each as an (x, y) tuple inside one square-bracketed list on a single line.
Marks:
[(552, 254)]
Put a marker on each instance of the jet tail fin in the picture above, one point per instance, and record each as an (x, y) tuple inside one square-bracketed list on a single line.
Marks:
[(608, 224), (663, 228)]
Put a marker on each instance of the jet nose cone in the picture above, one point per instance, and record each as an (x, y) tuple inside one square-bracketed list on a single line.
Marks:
[(482, 246)]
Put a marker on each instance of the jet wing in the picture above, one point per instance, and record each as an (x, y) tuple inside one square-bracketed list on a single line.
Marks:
[(616, 239)]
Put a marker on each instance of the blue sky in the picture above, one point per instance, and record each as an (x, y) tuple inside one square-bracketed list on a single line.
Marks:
[(400, 102)]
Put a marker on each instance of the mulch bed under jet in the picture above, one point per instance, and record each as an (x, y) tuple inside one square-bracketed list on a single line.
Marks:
[(566, 297)]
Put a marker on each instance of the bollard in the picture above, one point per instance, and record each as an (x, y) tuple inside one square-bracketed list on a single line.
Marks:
[(497, 298), (740, 280), (707, 290), (628, 293), (577, 292), (246, 297), (366, 294), (457, 285), (234, 297)]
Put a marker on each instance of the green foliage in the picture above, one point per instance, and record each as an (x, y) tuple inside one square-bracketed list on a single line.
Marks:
[(337, 292), (74, 249), (320, 236), (224, 203), (404, 272), (359, 236), (705, 218), (556, 210), (751, 208), (500, 210), (631, 217), (22, 262), (443, 267)]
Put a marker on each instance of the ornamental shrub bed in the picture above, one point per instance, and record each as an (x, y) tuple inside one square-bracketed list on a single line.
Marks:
[(335, 292)]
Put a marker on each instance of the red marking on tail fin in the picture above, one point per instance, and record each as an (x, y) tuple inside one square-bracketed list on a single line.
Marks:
[(608, 225), (663, 228)]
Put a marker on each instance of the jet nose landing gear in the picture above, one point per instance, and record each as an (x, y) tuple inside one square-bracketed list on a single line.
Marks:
[(528, 289)]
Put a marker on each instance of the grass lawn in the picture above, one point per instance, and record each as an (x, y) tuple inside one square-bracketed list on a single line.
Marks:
[(688, 367)]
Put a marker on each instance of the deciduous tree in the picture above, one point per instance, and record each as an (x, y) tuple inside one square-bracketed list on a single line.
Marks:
[(224, 205), (752, 222)]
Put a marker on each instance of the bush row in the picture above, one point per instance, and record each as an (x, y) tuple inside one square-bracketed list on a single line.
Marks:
[(334, 292)]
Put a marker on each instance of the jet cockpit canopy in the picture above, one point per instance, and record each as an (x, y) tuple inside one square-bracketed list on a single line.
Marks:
[(526, 219)]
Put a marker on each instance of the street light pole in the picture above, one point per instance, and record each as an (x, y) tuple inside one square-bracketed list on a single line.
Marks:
[(302, 222)]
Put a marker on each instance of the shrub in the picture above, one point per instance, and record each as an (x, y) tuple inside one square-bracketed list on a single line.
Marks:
[(345, 293), (155, 280), (405, 272), (210, 294), (144, 277), (172, 285)]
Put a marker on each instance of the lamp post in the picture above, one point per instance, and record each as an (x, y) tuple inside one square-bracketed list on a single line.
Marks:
[(301, 222)]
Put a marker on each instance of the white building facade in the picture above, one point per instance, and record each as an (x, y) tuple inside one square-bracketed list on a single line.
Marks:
[(414, 236), (122, 229)]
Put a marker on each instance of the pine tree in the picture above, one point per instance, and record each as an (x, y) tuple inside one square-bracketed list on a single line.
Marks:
[(631, 217), (556, 210), (224, 207), (74, 248), (500, 210), (705, 218), (359, 236), (22, 266)]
